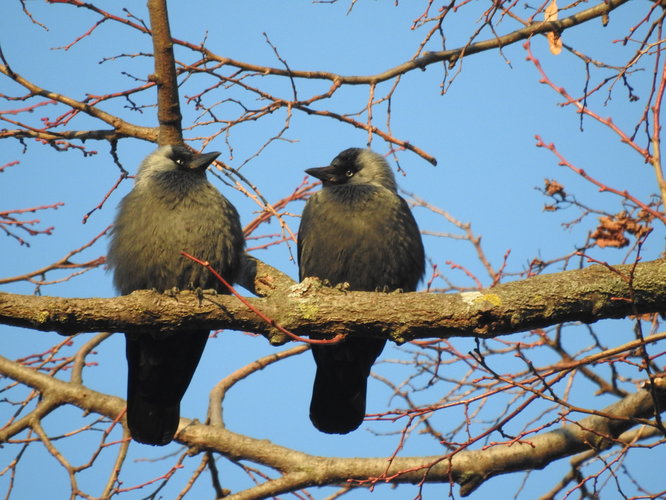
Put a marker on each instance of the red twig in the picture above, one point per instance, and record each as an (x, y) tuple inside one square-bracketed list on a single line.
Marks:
[(7, 165), (581, 108), (469, 273), (602, 187), (63, 263), (656, 135), (99, 206), (265, 318)]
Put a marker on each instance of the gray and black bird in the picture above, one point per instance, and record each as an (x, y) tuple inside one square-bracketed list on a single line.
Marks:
[(358, 230), (171, 208)]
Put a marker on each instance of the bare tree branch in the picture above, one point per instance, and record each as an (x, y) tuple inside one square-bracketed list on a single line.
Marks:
[(121, 128), (309, 308), (168, 106), (467, 468), (429, 58), (514, 403)]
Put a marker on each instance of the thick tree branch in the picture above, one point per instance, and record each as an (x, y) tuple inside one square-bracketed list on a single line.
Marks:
[(310, 308), (603, 8), (168, 106), (82, 135), (429, 58)]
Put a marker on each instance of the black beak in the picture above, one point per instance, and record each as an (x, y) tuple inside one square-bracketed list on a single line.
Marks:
[(328, 175), (200, 162)]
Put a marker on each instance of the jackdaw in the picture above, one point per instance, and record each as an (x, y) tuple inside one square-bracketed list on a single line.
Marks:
[(358, 230), (172, 207)]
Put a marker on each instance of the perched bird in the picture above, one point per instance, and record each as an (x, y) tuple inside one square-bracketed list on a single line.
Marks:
[(358, 230), (172, 207)]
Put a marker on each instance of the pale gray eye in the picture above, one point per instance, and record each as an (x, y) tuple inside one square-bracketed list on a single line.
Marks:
[(349, 173)]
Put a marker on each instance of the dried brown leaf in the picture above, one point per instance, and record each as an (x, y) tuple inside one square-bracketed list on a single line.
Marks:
[(554, 39), (553, 187)]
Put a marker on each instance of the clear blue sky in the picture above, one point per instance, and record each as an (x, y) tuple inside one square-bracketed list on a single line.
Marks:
[(481, 132)]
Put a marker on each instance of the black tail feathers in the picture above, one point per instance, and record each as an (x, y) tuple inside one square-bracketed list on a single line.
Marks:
[(152, 423), (340, 386)]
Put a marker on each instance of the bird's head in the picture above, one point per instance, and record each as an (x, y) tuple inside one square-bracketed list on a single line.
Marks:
[(356, 166), (167, 159)]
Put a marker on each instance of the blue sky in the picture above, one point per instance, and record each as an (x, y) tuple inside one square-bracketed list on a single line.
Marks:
[(481, 131)]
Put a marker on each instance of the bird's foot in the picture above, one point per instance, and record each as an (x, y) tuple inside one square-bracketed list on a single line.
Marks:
[(172, 292), (200, 293)]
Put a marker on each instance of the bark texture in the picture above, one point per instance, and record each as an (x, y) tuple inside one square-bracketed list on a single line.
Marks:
[(307, 308)]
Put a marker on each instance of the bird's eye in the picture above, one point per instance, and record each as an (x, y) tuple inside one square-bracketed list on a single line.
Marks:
[(179, 162), (349, 173)]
